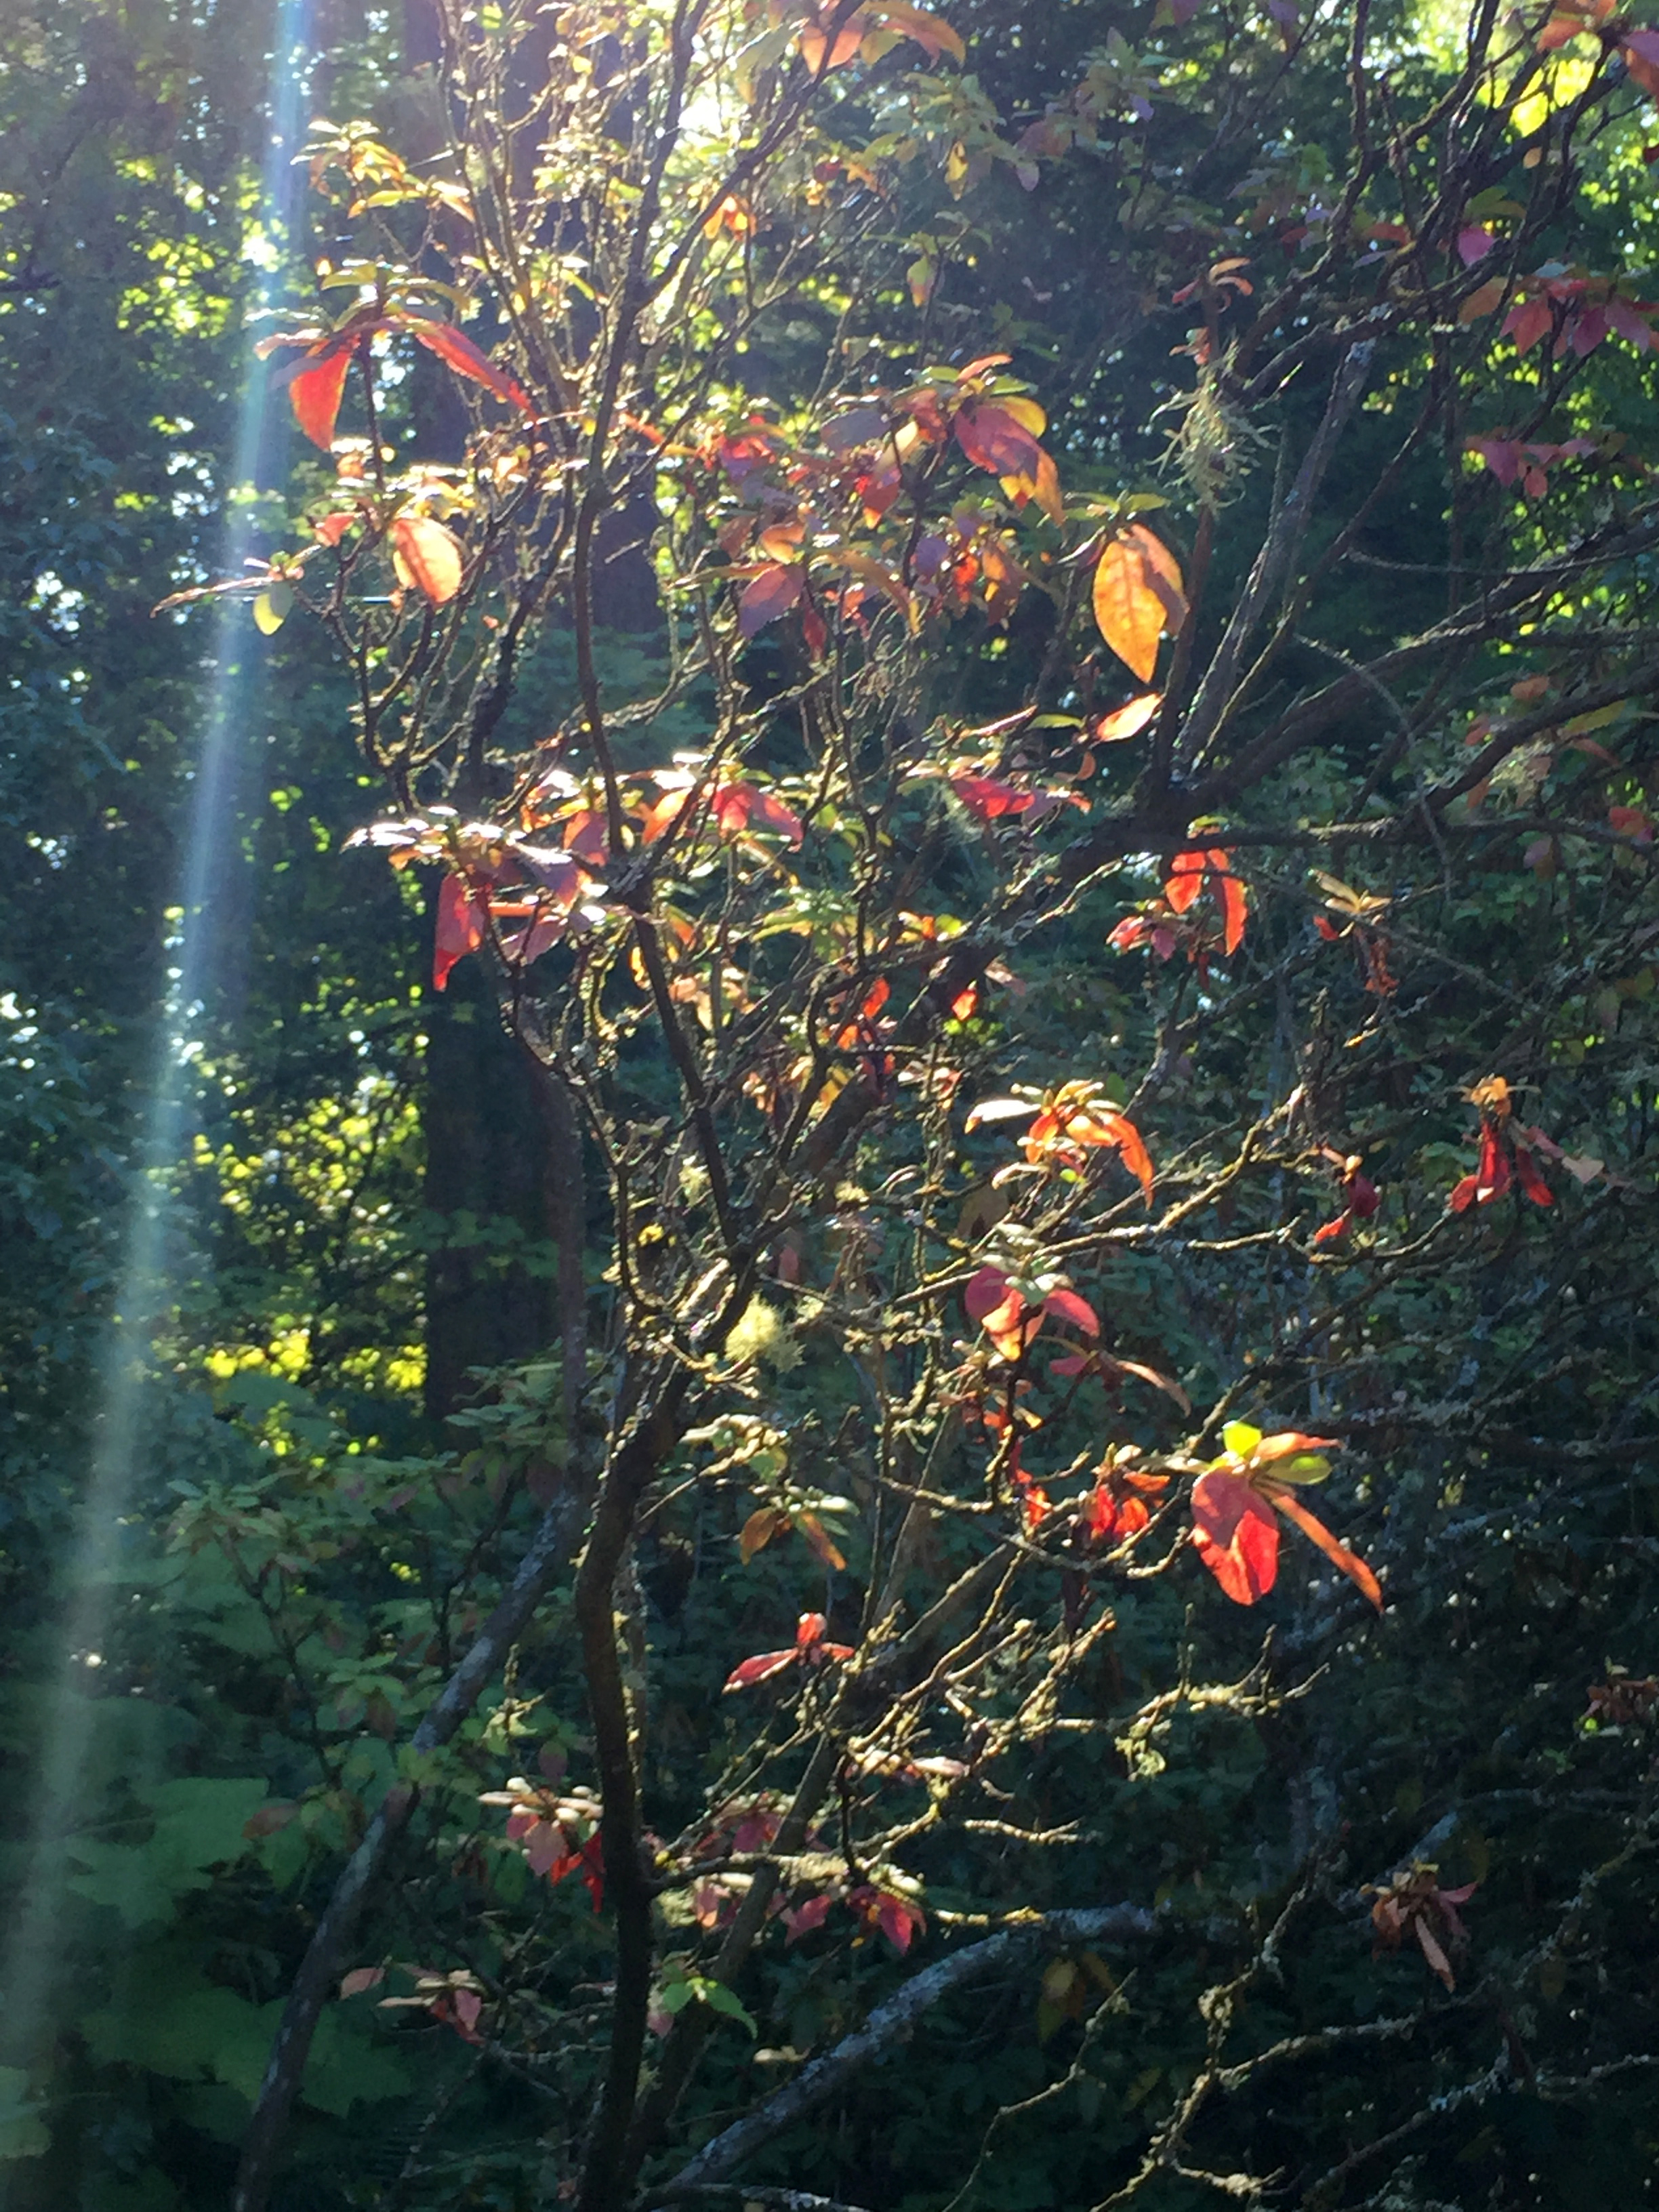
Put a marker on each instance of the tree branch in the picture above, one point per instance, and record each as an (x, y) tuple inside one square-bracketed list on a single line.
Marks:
[(892, 2022)]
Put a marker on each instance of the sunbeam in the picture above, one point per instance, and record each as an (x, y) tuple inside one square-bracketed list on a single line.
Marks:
[(150, 1270)]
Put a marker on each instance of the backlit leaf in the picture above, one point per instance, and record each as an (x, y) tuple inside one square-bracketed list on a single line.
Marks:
[(427, 556), (1126, 721), (462, 918), (1128, 611), (1236, 1535), (768, 595), (454, 348), (1340, 1556), (760, 1668), (315, 390), (992, 438), (272, 608)]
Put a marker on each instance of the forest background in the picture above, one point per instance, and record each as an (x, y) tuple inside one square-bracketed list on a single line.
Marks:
[(1119, 588)]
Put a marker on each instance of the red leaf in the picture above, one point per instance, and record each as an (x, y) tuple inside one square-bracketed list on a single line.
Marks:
[(462, 918), (985, 1292), (810, 1643), (1492, 1176), (898, 1921), (1463, 1194), (806, 1918), (1067, 1306), (1329, 1233), (1527, 1174), (1527, 322), (760, 1668), (455, 347), (334, 527), (989, 798), (1338, 1554), (1236, 1535), (316, 389), (1001, 1311), (1501, 455), (1433, 1951), (740, 806), (772, 593)]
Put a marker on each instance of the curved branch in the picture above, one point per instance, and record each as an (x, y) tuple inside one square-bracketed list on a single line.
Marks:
[(893, 2021)]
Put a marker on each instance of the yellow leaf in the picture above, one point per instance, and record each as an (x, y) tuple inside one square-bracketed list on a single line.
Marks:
[(1128, 609), (271, 609)]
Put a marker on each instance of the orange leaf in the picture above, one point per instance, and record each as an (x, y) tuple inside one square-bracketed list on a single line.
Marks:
[(1132, 1151), (758, 1530), (1126, 721), (427, 556), (1340, 1556), (1186, 880), (1291, 1443), (817, 52), (1164, 572), (1235, 904), (1128, 607), (315, 390), (821, 1541)]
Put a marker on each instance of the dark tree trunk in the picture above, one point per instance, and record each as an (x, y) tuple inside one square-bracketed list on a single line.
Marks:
[(489, 1165)]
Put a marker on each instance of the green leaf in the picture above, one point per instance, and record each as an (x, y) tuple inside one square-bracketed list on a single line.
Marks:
[(180, 2025), (718, 1998), (198, 1825), (1306, 1467)]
